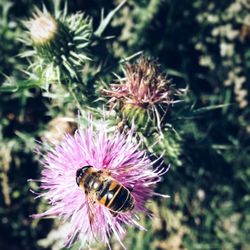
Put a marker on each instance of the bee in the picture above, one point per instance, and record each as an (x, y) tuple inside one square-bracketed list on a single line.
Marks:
[(101, 188)]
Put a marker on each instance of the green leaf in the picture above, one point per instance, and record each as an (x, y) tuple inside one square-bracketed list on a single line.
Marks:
[(12, 87), (209, 108), (105, 21)]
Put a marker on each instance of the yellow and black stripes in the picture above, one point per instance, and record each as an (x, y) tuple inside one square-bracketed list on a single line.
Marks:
[(108, 192), (116, 197)]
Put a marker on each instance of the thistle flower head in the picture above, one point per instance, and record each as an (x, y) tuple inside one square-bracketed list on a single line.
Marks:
[(117, 154), (143, 92), (60, 43), (42, 28)]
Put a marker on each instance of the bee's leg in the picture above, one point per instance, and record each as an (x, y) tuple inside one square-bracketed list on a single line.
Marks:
[(92, 200), (108, 173), (104, 173), (114, 214)]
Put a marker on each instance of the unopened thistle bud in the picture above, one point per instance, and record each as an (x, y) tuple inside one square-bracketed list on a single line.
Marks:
[(144, 95), (43, 29), (60, 43)]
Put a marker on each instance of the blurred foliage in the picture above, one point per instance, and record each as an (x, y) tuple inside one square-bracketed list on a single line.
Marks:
[(202, 45)]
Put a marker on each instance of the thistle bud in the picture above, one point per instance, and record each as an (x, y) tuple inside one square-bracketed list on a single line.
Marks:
[(136, 114), (144, 95), (43, 29), (60, 43)]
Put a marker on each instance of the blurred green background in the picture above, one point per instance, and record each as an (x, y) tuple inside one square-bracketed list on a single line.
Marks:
[(204, 45)]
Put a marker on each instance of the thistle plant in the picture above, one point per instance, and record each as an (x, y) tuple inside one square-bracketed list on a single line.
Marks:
[(143, 95), (59, 44), (115, 153), (203, 145)]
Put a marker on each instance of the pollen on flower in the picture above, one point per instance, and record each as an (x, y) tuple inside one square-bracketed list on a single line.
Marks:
[(42, 29)]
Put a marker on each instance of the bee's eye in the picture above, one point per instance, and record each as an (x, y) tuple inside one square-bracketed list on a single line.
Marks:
[(79, 172), (78, 176), (78, 181)]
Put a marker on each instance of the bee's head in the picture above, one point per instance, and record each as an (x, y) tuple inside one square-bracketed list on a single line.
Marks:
[(80, 173)]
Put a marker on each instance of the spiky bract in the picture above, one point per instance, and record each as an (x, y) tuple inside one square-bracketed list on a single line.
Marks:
[(60, 44)]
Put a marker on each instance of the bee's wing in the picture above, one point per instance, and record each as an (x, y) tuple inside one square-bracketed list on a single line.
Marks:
[(91, 213)]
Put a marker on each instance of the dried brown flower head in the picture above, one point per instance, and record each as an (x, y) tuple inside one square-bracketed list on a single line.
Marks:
[(144, 93)]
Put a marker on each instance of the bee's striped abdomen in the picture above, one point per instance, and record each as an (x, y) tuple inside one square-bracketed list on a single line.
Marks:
[(116, 197), (123, 201), (105, 190), (109, 187)]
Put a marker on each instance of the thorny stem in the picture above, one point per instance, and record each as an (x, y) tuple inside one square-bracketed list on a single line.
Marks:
[(75, 98)]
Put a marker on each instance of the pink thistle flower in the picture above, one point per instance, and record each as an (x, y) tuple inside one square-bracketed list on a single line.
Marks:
[(145, 93), (115, 153)]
